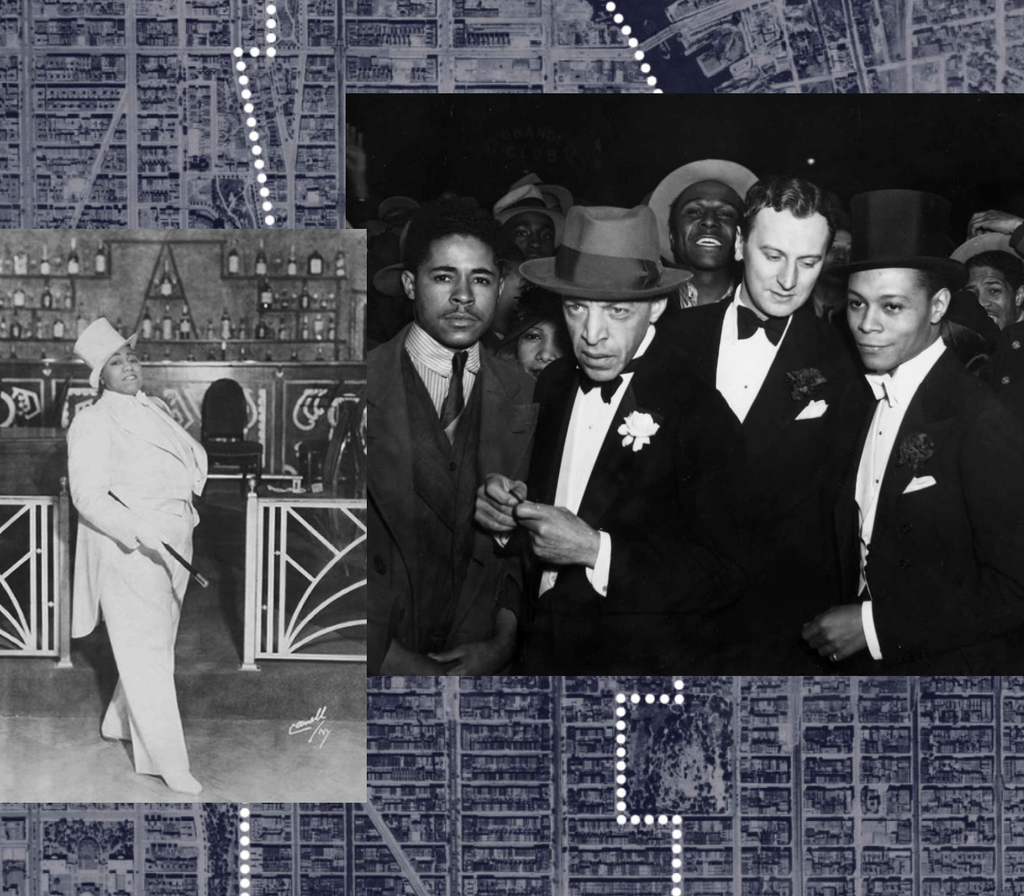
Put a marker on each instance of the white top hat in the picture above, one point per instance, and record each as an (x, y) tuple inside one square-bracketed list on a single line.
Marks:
[(97, 344)]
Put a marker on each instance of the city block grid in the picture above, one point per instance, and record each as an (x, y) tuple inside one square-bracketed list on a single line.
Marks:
[(840, 786), (728, 46), (127, 113)]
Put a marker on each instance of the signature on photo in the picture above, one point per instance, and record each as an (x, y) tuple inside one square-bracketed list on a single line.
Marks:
[(315, 726)]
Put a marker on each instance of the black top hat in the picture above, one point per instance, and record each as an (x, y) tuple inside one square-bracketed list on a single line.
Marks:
[(902, 229)]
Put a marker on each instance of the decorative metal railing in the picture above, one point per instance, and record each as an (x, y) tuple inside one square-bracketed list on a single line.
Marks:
[(35, 583), (305, 580)]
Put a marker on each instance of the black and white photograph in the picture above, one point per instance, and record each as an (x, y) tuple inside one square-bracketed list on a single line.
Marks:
[(693, 386), (182, 516)]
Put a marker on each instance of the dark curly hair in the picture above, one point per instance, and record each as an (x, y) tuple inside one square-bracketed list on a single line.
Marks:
[(1011, 267), (799, 197), (448, 217)]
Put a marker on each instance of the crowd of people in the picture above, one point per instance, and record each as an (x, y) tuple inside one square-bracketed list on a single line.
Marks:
[(734, 429)]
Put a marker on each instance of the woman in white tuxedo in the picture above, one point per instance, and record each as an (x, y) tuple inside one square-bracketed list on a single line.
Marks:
[(128, 445)]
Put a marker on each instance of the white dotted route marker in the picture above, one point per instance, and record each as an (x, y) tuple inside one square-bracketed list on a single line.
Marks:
[(623, 704), (270, 37), (634, 45), (243, 854)]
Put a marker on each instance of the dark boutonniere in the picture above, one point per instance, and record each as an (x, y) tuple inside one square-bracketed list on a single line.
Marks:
[(914, 450), (803, 382)]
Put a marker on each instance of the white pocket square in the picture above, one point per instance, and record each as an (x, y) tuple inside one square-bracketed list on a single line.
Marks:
[(814, 409), (918, 483)]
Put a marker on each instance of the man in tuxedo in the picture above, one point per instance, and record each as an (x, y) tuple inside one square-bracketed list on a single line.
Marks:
[(786, 376), (929, 518), (632, 534), (441, 413)]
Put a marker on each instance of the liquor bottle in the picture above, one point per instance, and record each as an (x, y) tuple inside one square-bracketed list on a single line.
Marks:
[(211, 355), (73, 264), (282, 329), (19, 297), (147, 325), (58, 328), (293, 266), (266, 295), (305, 328), (80, 325), (46, 299), (339, 264), (243, 329), (223, 350), (225, 325), (185, 325), (332, 332), (261, 261), (20, 263), (166, 283), (242, 353), (209, 329), (167, 324), (323, 303), (233, 264), (167, 354), (68, 303), (261, 329), (44, 263), (304, 298), (295, 355), (319, 352), (100, 261), (15, 327), (316, 264), (40, 325), (3, 326), (318, 326)]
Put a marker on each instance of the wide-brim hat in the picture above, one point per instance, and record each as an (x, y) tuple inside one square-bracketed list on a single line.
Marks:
[(607, 254), (388, 280), (97, 344), (394, 204), (528, 199), (555, 195), (901, 229), (735, 176), (965, 309), (984, 242)]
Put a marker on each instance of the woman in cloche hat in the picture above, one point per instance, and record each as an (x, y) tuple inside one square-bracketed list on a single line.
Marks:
[(133, 471)]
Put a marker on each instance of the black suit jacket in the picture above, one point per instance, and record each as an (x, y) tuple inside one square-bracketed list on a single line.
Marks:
[(671, 515), (506, 429), (789, 484), (946, 563)]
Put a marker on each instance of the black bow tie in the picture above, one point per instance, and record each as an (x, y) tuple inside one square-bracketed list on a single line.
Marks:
[(609, 387), (749, 323)]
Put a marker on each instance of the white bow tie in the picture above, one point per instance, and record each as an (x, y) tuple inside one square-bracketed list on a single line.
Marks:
[(882, 386)]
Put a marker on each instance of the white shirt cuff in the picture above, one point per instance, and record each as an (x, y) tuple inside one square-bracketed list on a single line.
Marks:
[(501, 539), (598, 576), (867, 619)]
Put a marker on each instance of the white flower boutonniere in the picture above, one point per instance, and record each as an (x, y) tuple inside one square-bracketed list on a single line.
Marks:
[(637, 429)]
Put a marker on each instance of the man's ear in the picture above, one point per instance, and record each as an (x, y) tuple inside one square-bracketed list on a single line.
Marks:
[(1018, 299), (940, 305), (737, 251), (658, 308), (409, 285)]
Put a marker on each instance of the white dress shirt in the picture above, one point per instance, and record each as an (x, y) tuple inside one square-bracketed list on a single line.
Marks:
[(743, 364), (894, 393), (433, 362), (588, 426)]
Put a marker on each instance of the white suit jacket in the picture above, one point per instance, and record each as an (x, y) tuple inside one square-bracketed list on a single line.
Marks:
[(133, 447)]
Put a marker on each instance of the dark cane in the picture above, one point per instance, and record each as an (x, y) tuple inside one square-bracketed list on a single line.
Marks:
[(192, 571)]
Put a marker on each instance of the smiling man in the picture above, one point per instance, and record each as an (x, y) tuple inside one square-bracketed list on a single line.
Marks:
[(929, 519), (631, 526), (785, 373), (699, 207), (440, 414)]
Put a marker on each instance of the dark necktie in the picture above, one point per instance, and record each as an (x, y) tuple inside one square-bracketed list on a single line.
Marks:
[(454, 401), (608, 388), (749, 323)]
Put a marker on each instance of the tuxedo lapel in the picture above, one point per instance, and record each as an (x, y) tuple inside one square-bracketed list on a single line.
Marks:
[(613, 465), (552, 426), (774, 408), (847, 515)]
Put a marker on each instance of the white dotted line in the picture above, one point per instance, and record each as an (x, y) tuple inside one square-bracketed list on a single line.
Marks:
[(677, 848), (634, 45), (270, 36), (243, 855)]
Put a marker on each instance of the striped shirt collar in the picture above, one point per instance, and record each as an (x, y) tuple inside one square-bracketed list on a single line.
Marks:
[(425, 350)]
